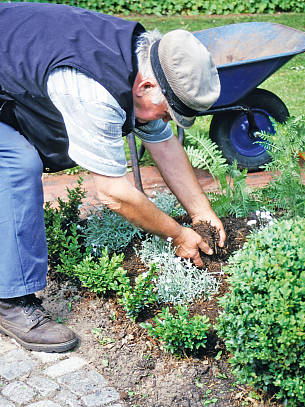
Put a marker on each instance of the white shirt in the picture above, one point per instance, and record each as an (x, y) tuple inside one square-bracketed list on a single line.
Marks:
[(94, 120)]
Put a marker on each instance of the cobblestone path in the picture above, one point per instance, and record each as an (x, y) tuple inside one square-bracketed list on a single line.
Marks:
[(38, 379)]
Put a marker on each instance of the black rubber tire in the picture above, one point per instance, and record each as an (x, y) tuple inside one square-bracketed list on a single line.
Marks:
[(222, 123)]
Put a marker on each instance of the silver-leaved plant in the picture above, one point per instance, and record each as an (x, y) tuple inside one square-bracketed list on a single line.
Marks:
[(179, 281)]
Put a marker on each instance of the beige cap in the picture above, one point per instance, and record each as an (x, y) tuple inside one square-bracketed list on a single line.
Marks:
[(186, 73)]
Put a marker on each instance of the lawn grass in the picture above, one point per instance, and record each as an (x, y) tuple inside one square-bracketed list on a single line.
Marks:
[(288, 82)]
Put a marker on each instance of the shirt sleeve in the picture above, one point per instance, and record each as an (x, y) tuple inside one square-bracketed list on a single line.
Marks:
[(93, 120), (154, 131)]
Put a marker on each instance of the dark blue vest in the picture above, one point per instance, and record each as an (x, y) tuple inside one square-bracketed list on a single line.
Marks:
[(35, 39)]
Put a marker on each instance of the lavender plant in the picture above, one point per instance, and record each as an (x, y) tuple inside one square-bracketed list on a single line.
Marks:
[(106, 228), (168, 203)]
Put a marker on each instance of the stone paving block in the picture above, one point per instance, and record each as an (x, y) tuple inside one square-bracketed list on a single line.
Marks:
[(83, 382), (101, 397), (5, 403), (44, 403), (65, 366), (18, 392), (15, 354), (43, 385), (6, 345), (45, 357), (15, 364), (68, 399)]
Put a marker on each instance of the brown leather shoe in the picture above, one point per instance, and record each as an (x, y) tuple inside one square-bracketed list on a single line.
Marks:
[(25, 320)]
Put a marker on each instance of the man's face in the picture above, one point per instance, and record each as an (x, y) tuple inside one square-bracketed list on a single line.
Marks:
[(146, 111)]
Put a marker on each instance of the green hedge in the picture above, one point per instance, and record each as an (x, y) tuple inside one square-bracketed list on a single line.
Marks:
[(170, 7), (263, 318)]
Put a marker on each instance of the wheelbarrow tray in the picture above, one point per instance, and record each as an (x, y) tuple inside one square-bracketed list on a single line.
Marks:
[(246, 54)]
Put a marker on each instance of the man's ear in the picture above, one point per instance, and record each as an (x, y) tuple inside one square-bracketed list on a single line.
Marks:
[(144, 86)]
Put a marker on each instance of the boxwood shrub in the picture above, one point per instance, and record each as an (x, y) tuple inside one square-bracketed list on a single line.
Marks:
[(263, 317)]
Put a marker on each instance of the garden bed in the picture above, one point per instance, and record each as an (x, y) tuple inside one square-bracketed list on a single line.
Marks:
[(134, 363), (135, 303)]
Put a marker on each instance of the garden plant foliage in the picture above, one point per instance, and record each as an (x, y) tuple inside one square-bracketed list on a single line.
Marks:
[(179, 332), (106, 228), (61, 222), (141, 295), (103, 275), (263, 318), (170, 7), (179, 281), (233, 197), (286, 189)]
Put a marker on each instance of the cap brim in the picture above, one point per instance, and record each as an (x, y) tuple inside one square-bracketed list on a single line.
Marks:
[(181, 121)]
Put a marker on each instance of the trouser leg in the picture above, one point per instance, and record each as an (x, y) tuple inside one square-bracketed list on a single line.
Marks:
[(23, 248)]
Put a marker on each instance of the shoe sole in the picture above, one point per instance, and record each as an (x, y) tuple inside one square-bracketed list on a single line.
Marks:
[(40, 347)]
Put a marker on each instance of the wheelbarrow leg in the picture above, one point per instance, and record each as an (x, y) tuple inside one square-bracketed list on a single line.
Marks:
[(135, 161), (180, 132), (136, 156)]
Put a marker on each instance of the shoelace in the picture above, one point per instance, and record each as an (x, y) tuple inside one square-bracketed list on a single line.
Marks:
[(33, 308)]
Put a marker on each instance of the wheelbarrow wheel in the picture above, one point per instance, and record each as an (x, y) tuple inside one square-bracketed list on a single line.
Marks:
[(230, 130)]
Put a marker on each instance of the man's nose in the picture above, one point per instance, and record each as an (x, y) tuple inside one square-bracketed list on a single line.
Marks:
[(166, 119)]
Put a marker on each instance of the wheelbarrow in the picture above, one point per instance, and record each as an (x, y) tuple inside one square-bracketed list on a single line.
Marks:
[(245, 54)]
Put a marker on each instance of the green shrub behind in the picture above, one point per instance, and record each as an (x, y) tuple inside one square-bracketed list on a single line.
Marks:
[(170, 7), (263, 318)]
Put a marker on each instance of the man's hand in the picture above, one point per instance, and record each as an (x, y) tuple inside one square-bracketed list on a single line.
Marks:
[(211, 217), (188, 243)]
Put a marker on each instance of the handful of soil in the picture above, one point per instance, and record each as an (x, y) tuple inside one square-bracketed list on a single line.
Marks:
[(209, 234), (236, 230)]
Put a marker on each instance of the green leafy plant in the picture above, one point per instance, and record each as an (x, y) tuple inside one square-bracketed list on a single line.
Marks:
[(168, 203), (72, 252), (170, 7), (102, 339), (233, 197), (286, 189), (263, 317), (178, 281), (106, 228), (179, 332), (70, 210), (63, 221), (142, 295), (75, 170), (204, 153), (102, 275)]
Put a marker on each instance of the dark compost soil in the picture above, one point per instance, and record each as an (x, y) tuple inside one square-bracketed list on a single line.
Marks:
[(134, 363)]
